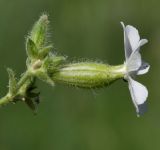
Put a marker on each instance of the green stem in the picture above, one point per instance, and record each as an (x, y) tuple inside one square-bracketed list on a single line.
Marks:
[(23, 79), (8, 97), (5, 100)]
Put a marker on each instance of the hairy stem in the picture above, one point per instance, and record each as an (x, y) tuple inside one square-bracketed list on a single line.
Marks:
[(5, 100), (9, 97), (23, 79)]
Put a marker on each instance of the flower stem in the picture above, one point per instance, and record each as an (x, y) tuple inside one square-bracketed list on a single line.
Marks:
[(5, 100), (10, 97), (23, 79)]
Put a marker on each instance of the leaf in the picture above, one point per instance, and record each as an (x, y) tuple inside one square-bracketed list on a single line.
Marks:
[(32, 51), (12, 81), (44, 51), (32, 104), (42, 75), (32, 96)]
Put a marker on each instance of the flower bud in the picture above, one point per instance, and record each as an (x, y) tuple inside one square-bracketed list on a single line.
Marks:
[(39, 31)]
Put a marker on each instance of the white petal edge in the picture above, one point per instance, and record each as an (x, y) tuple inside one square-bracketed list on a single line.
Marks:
[(127, 45), (139, 93)]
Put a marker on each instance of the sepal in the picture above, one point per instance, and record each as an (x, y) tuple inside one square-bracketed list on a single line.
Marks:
[(42, 75), (52, 63)]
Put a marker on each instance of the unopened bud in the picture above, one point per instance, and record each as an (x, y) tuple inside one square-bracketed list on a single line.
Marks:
[(39, 31)]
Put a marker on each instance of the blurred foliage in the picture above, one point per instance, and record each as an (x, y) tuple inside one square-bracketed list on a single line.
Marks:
[(77, 119)]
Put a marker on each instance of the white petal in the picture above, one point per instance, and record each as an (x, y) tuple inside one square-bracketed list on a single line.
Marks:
[(133, 36), (143, 69), (127, 46), (132, 40), (139, 94), (134, 62), (142, 42)]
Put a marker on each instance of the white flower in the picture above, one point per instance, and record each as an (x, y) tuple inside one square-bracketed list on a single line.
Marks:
[(135, 66)]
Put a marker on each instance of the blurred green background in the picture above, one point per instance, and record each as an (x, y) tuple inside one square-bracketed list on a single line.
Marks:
[(77, 119)]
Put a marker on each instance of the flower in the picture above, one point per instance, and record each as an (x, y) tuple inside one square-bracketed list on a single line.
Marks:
[(135, 66)]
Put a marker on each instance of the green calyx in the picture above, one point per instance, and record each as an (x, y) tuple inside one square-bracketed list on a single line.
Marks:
[(88, 75)]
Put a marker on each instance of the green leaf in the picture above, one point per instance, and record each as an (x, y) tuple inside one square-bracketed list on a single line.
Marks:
[(31, 48), (12, 81), (31, 104), (42, 75), (32, 97), (44, 51)]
